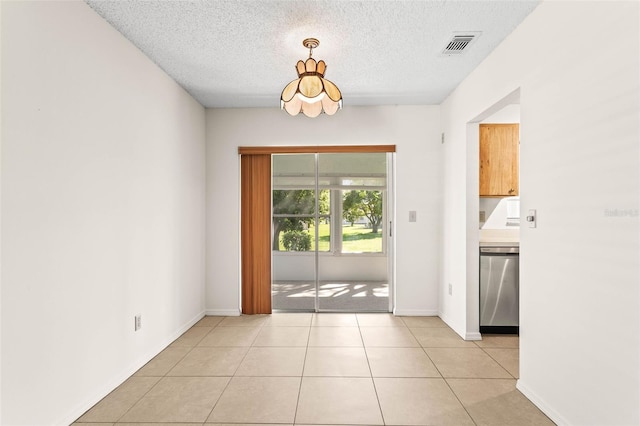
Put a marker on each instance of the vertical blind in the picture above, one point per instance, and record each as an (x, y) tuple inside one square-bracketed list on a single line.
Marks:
[(256, 233)]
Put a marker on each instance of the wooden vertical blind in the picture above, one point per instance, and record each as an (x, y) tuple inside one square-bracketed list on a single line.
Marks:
[(256, 233)]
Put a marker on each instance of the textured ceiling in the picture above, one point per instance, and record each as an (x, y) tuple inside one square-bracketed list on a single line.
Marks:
[(243, 53)]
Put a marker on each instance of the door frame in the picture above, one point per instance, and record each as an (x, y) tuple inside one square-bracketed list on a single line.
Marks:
[(253, 256)]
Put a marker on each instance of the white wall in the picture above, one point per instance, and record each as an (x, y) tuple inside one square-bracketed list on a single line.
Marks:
[(580, 162), (415, 130), (509, 114), (1, 117), (102, 210)]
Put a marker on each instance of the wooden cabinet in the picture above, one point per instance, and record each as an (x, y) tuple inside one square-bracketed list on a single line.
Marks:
[(499, 159)]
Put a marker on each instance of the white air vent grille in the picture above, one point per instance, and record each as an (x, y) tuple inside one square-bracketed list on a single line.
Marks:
[(459, 43)]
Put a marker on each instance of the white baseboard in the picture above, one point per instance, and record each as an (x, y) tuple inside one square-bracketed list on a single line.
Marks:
[(106, 389), (446, 320), (541, 404), (468, 335), (473, 336), (223, 312), (415, 313)]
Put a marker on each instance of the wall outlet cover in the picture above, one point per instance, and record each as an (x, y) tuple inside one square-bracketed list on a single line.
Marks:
[(137, 323)]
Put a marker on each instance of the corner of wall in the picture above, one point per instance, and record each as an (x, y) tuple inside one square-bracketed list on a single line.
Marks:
[(107, 388)]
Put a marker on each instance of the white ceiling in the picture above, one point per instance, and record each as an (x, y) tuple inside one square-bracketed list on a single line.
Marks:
[(242, 53)]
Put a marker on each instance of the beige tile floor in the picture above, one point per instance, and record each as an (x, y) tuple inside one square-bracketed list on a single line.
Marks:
[(330, 369)]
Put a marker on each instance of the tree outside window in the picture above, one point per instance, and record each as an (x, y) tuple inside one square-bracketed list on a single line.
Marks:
[(294, 215), (360, 203)]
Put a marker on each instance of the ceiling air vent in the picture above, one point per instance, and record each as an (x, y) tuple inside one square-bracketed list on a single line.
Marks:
[(460, 43)]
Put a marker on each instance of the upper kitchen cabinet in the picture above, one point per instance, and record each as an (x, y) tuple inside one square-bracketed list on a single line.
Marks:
[(499, 159)]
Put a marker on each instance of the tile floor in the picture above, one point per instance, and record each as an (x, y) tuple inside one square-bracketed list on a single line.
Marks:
[(331, 369), (351, 296)]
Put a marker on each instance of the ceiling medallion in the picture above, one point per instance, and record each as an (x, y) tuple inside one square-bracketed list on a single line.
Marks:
[(311, 93)]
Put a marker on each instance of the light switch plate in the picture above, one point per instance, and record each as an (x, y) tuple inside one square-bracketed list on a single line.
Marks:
[(412, 216), (532, 219)]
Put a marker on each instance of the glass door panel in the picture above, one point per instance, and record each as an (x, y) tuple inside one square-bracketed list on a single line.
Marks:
[(354, 275), (330, 236), (294, 230)]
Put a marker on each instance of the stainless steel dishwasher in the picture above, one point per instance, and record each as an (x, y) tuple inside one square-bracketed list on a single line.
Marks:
[(499, 290)]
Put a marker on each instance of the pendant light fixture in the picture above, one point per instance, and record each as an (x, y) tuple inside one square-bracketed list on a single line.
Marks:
[(311, 93)]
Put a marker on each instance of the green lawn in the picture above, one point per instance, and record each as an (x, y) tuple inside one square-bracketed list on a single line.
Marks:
[(355, 239)]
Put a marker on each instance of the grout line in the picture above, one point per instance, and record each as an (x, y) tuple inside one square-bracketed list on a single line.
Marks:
[(165, 375), (179, 361), (263, 325), (219, 397), (461, 404), (373, 382), (304, 364), (138, 400), (229, 381), (498, 362), (427, 354), (234, 373)]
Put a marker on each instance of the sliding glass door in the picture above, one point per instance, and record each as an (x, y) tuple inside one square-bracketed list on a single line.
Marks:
[(331, 240)]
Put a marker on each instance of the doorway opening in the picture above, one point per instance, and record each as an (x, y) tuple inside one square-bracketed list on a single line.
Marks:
[(331, 222), (484, 210)]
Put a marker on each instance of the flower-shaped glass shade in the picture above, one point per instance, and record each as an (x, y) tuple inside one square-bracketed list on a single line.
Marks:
[(311, 93)]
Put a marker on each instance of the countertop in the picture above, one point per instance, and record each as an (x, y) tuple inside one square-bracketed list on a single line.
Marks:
[(499, 244), (500, 237)]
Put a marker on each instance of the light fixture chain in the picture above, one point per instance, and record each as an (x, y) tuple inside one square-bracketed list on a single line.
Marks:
[(311, 43)]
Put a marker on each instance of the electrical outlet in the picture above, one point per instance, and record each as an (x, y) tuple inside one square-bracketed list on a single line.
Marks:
[(450, 289), (483, 216), (137, 322)]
